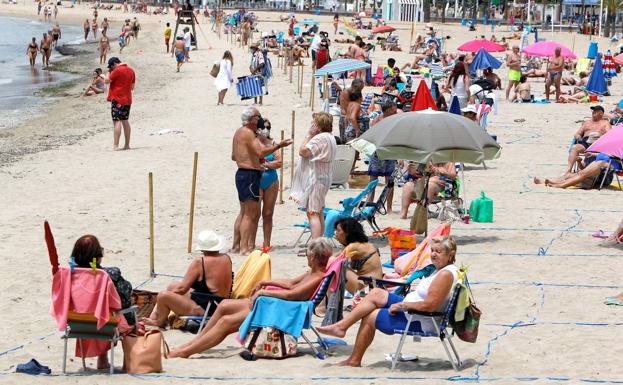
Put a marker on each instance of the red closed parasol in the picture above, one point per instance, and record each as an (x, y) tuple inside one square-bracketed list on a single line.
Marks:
[(383, 29), (49, 240), (423, 100)]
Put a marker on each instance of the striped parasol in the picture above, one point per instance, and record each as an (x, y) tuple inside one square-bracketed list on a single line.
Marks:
[(608, 66), (350, 29), (341, 65)]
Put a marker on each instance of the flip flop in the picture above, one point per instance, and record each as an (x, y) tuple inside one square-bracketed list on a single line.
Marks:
[(613, 301), (389, 264), (32, 367), (599, 234)]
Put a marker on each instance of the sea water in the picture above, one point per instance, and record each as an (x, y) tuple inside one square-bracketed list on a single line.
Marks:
[(19, 82)]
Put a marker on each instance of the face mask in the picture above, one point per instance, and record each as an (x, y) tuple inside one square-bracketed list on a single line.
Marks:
[(265, 132), (260, 122)]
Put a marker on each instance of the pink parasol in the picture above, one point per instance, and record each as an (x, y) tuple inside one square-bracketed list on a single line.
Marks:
[(49, 240), (476, 45), (619, 59), (611, 143), (383, 29), (547, 48)]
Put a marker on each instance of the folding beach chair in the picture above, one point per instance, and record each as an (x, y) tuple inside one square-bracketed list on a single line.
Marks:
[(436, 71), (378, 79), (70, 291), (342, 165), (332, 215), (441, 328), (333, 271), (367, 211), (611, 171)]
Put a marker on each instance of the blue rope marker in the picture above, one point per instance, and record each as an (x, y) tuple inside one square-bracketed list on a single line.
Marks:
[(543, 250)]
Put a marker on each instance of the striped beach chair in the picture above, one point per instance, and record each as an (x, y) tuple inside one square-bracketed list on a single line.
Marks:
[(249, 87)]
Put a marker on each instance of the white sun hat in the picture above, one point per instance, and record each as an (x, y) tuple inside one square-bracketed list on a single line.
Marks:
[(208, 240)]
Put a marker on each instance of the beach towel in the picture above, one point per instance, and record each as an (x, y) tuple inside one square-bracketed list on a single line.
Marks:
[(290, 317), (256, 268), (420, 257), (335, 304)]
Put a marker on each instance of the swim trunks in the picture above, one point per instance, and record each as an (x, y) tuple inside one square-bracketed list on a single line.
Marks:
[(553, 75), (179, 56), (55, 36), (121, 41), (248, 184), (119, 112), (514, 75)]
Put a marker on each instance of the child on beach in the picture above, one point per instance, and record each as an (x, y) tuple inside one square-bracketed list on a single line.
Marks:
[(121, 41)]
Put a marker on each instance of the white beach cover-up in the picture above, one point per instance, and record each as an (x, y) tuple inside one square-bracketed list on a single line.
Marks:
[(224, 79)]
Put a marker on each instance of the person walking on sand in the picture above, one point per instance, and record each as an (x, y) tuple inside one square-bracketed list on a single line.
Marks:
[(55, 11), (187, 42), (104, 47), (167, 36), (44, 45), (179, 51), (39, 6), (87, 27), (94, 29), (31, 51), (247, 152), (121, 80), (225, 77), (554, 73), (513, 62), (122, 41)]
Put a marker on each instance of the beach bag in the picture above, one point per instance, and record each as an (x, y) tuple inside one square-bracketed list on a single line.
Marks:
[(269, 342), (481, 209), (400, 241), (216, 67), (145, 301), (143, 354), (465, 325)]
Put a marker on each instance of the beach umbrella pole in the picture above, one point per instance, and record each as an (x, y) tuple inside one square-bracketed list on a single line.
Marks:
[(292, 153), (151, 225), (191, 215), (281, 173)]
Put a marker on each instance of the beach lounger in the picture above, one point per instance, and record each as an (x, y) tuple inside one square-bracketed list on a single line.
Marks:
[(442, 333), (342, 165)]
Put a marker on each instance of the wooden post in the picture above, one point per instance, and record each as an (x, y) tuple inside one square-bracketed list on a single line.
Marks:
[(292, 153), (325, 88), (298, 77), (151, 226), (312, 91), (301, 82), (192, 204), (291, 64), (285, 65), (281, 172)]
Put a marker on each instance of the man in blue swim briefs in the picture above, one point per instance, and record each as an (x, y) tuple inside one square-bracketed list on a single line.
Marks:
[(554, 73), (248, 152), (179, 51)]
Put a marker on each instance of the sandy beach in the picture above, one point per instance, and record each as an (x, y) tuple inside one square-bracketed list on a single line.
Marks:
[(537, 274)]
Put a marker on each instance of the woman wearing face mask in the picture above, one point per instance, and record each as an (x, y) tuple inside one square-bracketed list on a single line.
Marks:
[(269, 184)]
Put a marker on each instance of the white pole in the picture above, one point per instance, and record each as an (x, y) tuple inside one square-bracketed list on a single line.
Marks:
[(456, 7), (529, 18), (601, 13)]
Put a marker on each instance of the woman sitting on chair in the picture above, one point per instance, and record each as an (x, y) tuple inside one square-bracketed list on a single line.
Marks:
[(210, 273), (230, 313), (443, 179), (385, 311), (364, 257)]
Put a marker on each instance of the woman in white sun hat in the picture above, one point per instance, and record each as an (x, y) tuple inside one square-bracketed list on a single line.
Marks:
[(210, 273)]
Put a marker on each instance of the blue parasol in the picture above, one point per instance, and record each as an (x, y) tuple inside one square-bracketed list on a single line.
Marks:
[(597, 82), (484, 60), (455, 106)]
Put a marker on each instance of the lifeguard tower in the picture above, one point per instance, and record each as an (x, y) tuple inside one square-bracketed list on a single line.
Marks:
[(187, 17)]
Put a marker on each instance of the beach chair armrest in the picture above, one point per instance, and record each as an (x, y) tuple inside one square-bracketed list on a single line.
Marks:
[(426, 313), (378, 282), (131, 309)]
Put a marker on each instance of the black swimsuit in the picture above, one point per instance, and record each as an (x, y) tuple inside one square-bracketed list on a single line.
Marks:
[(358, 264)]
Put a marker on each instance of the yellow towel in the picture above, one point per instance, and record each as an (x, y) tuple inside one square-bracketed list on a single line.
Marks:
[(582, 65), (255, 268)]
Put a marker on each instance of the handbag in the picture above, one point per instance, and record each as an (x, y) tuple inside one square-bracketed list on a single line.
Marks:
[(467, 328), (216, 67), (143, 354), (269, 342)]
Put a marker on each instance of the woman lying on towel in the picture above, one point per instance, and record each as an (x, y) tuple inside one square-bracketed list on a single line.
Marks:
[(386, 311), (208, 274), (364, 257), (230, 313)]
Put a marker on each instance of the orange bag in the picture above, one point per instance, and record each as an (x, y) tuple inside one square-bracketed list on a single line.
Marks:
[(400, 241)]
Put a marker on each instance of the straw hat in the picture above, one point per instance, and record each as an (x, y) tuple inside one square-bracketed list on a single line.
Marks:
[(208, 240)]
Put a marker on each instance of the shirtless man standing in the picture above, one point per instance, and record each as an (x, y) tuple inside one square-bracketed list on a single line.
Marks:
[(44, 45), (56, 33), (179, 51), (104, 47), (513, 62), (587, 134), (554, 73), (353, 50), (247, 152)]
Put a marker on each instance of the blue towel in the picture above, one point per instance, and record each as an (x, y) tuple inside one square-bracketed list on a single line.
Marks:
[(290, 317)]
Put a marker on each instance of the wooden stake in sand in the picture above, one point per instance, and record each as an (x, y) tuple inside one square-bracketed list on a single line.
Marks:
[(281, 172), (312, 91), (292, 153), (151, 225), (301, 82), (192, 204), (291, 64)]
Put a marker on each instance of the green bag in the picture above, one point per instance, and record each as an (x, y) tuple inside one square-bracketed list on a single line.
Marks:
[(481, 209)]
